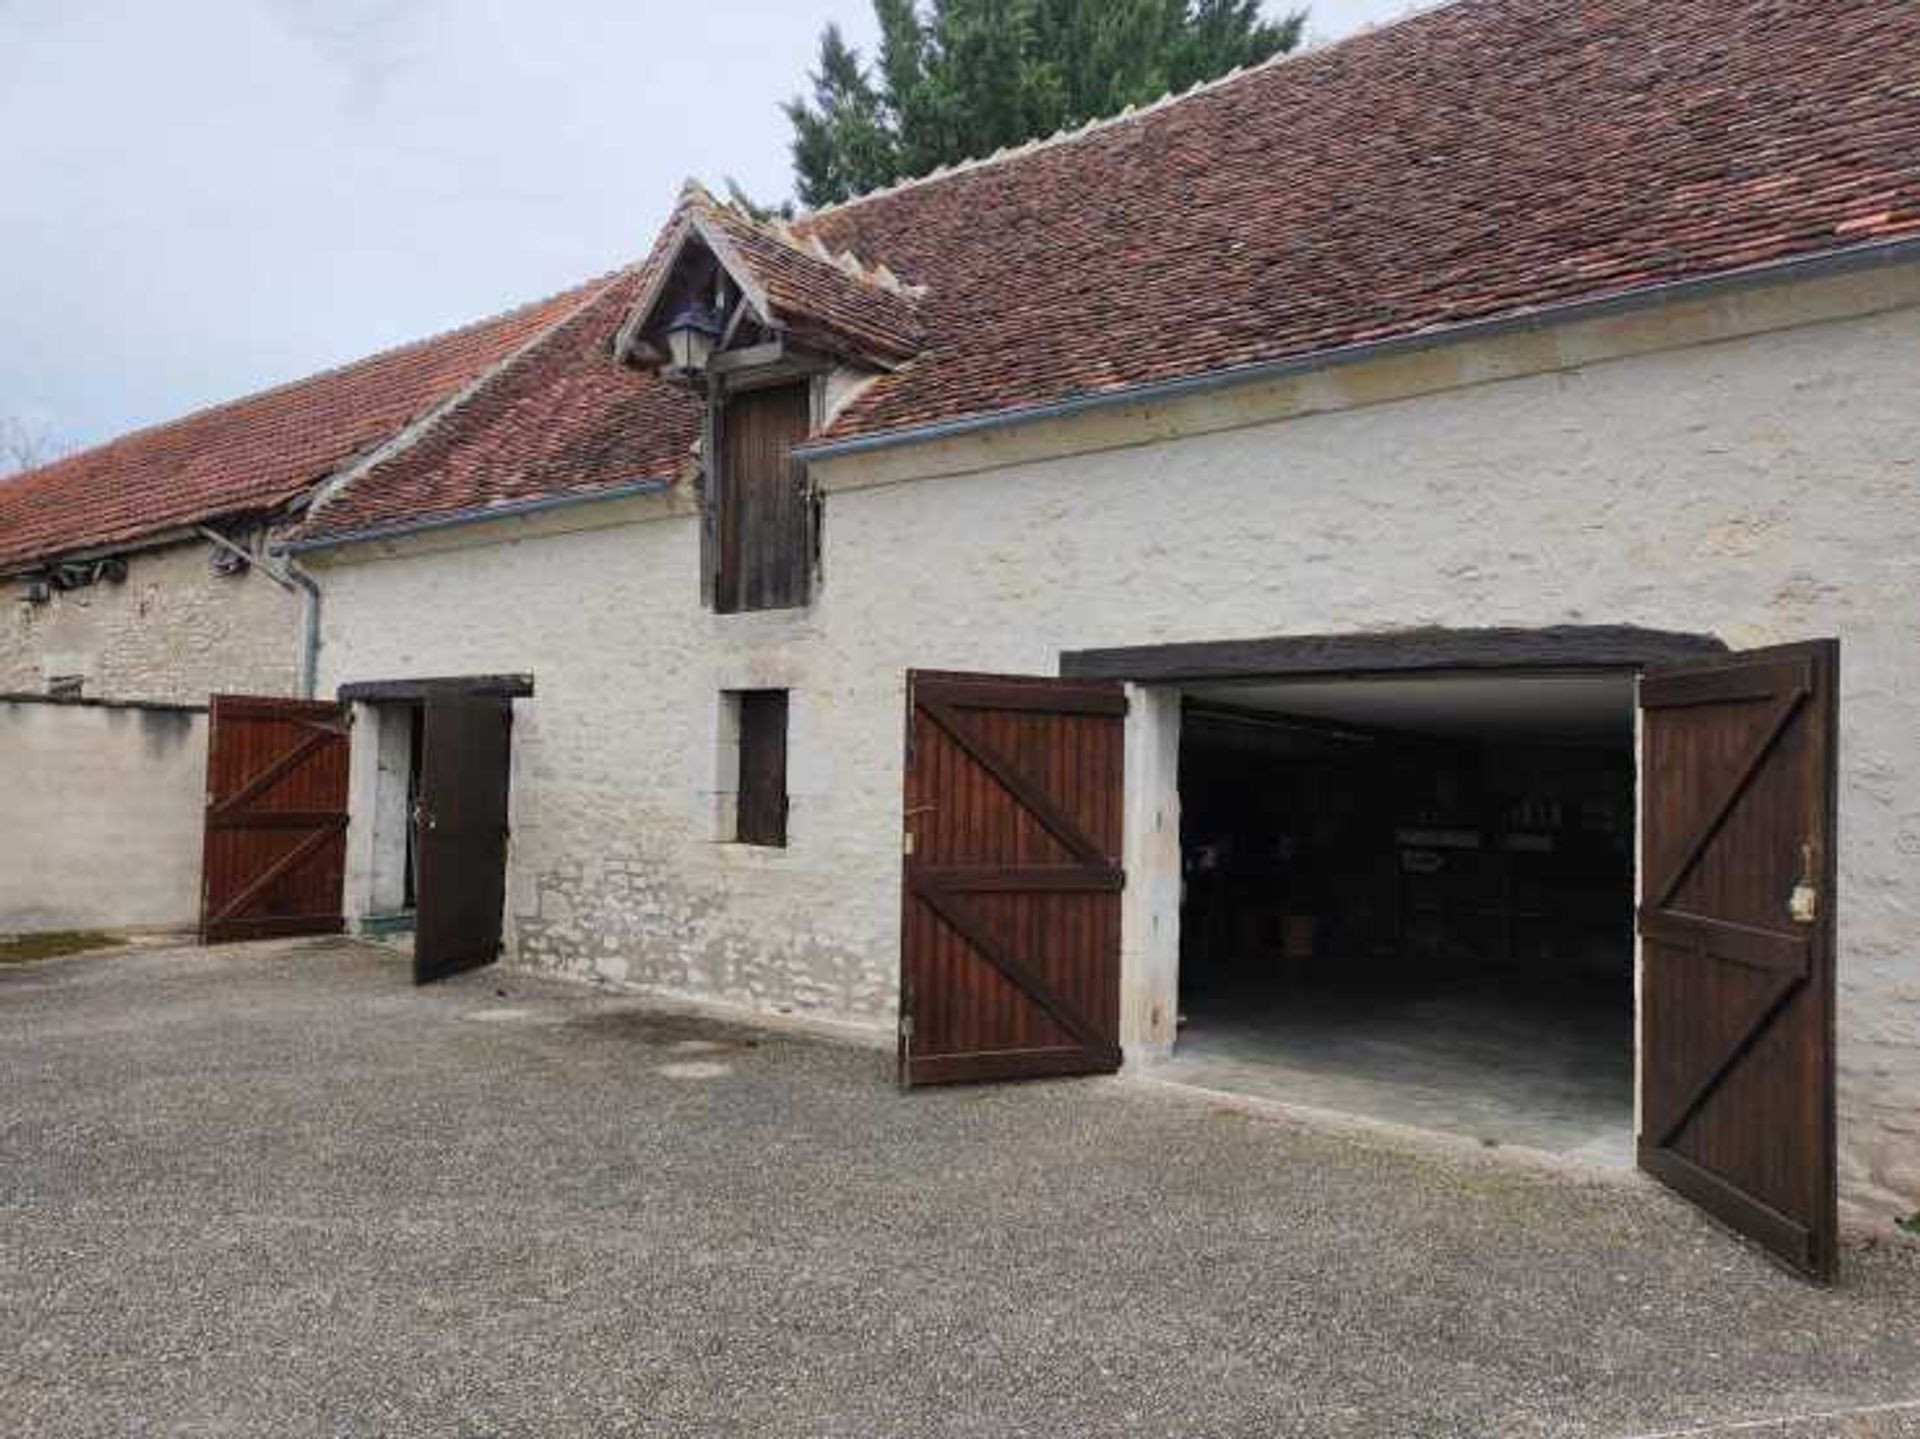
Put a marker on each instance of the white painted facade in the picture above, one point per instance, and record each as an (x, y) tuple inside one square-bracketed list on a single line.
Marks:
[(1670, 470)]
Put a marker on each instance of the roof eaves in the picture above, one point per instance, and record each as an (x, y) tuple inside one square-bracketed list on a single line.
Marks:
[(1799, 267), (473, 515)]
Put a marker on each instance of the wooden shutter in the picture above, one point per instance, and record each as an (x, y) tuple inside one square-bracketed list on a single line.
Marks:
[(762, 817), (460, 832), (1010, 944), (765, 522), (273, 858), (1739, 833)]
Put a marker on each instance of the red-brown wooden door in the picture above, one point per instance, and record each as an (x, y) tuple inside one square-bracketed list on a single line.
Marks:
[(273, 858), (1739, 833), (1010, 936), (460, 833)]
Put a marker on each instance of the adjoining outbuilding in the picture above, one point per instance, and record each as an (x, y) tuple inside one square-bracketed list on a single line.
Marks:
[(140, 569)]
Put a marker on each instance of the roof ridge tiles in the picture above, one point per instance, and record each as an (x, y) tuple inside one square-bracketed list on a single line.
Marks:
[(1066, 135), (780, 231), (344, 367), (591, 293)]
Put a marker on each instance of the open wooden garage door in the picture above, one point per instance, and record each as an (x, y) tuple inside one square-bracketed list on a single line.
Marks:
[(274, 853), (1010, 943), (460, 832), (1739, 835)]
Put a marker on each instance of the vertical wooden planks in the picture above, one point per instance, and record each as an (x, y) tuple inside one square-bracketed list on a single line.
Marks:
[(764, 554), (1739, 821), (461, 832), (1010, 926)]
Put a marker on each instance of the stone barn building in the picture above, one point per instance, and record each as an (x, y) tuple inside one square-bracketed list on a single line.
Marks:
[(138, 570), (1388, 580)]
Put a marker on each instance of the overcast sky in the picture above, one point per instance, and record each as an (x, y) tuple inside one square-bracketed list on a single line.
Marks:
[(202, 198)]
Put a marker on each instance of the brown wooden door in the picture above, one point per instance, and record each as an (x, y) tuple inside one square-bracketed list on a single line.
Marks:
[(765, 536), (273, 858), (460, 833), (1010, 942), (1739, 834)]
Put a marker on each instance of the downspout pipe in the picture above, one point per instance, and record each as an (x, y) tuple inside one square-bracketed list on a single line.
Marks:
[(291, 578)]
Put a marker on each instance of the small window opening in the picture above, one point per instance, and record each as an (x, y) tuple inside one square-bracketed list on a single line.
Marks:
[(761, 813)]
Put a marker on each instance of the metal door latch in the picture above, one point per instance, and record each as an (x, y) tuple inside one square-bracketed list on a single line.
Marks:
[(1804, 903)]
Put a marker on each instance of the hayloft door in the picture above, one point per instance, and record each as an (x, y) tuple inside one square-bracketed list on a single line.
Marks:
[(1739, 831), (1010, 936), (460, 832)]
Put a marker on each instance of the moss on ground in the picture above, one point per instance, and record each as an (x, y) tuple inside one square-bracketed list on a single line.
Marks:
[(19, 948)]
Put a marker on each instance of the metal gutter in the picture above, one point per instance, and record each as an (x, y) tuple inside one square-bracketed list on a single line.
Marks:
[(1827, 262), (478, 515)]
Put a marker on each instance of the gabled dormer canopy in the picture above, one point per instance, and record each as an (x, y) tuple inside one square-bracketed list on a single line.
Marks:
[(762, 290)]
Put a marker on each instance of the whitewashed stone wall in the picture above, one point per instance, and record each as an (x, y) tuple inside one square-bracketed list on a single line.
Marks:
[(1765, 489), (173, 630)]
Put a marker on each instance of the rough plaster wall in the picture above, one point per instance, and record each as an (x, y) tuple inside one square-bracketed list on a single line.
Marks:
[(100, 814), (1764, 490), (614, 869), (171, 631)]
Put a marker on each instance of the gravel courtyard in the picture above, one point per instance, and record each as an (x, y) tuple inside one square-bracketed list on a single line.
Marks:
[(273, 1189)]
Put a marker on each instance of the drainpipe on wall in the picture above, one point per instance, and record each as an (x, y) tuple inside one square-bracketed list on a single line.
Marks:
[(291, 578)]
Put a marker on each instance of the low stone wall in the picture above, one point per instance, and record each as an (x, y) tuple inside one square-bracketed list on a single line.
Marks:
[(100, 814)]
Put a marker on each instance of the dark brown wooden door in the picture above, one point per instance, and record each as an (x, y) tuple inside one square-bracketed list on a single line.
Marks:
[(1010, 940), (273, 859), (460, 833), (765, 535), (1737, 928)]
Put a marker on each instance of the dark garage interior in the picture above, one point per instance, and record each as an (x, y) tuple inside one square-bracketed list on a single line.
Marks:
[(1411, 899)]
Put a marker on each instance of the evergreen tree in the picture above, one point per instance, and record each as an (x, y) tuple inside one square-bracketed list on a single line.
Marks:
[(963, 78)]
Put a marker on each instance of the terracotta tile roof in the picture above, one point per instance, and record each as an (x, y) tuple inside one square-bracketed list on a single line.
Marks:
[(257, 454), (1483, 159), (1475, 160), (814, 297), (562, 418)]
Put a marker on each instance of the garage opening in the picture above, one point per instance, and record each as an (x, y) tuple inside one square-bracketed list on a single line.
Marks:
[(1411, 897)]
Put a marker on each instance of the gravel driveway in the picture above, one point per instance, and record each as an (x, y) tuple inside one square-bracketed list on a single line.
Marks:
[(274, 1190)]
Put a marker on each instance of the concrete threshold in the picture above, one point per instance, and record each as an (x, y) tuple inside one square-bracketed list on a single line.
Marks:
[(1403, 1136)]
